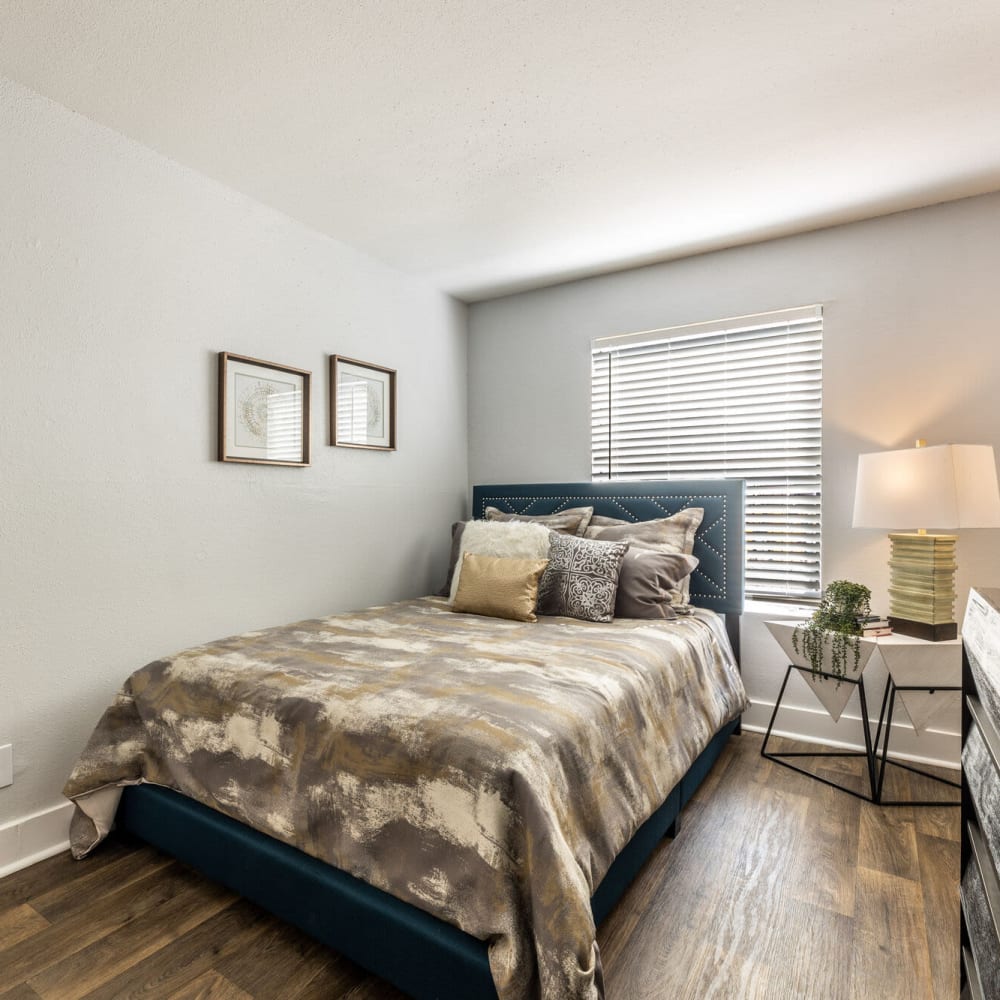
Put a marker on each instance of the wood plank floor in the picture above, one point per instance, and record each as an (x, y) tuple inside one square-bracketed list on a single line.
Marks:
[(777, 887)]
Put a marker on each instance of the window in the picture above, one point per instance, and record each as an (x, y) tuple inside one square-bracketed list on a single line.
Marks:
[(742, 399)]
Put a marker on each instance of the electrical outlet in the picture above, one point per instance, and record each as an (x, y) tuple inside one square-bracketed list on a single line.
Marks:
[(6, 765)]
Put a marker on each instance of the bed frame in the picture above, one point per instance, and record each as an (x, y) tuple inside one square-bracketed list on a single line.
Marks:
[(419, 953)]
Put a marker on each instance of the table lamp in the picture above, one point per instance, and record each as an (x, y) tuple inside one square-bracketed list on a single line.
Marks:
[(946, 486)]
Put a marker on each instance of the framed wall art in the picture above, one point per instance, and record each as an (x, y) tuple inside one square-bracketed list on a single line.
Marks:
[(362, 404), (263, 412)]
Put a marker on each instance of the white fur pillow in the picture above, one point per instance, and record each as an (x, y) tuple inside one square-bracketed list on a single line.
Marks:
[(503, 539)]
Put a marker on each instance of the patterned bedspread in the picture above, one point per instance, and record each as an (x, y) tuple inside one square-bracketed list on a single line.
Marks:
[(486, 771)]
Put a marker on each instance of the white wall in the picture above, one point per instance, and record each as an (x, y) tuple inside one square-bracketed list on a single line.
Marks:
[(121, 537), (911, 349)]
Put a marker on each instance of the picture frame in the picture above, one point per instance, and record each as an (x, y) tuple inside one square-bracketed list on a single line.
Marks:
[(264, 411), (362, 404)]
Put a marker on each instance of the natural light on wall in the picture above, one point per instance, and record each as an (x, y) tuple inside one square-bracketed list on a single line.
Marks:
[(739, 398)]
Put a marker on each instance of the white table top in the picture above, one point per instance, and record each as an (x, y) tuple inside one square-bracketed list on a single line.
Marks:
[(910, 662)]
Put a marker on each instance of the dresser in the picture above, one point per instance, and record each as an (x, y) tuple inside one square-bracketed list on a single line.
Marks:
[(981, 796)]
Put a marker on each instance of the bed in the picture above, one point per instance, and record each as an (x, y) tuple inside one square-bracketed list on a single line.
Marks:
[(444, 908)]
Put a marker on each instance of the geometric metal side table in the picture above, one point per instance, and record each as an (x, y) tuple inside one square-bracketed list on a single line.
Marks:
[(928, 679), (925, 675), (833, 692)]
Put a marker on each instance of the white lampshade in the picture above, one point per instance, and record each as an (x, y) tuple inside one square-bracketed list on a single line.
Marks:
[(945, 486)]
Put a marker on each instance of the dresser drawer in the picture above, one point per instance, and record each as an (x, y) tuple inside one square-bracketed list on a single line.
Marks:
[(981, 763), (981, 639), (981, 904), (987, 685), (973, 988)]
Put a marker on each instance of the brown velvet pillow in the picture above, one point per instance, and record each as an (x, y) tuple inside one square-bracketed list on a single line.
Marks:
[(572, 521), (498, 587), (646, 581), (663, 534)]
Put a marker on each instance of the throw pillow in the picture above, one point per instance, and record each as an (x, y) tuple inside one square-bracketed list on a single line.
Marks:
[(572, 521), (499, 588), (456, 541), (503, 539), (600, 521), (647, 580), (582, 578), (665, 534)]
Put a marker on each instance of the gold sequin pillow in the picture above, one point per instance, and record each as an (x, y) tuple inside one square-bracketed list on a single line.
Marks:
[(499, 587), (502, 539)]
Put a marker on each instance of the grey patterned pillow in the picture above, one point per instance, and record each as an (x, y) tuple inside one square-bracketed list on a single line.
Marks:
[(581, 579)]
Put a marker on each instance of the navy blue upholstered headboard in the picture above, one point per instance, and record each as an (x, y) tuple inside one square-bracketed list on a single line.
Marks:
[(717, 583)]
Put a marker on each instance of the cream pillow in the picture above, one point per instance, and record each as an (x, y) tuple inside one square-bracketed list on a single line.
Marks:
[(499, 588), (502, 539)]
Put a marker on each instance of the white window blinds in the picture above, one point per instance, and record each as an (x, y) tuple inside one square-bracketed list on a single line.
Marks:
[(740, 399)]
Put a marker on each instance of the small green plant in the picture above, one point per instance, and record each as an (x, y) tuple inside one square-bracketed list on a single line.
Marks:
[(835, 621)]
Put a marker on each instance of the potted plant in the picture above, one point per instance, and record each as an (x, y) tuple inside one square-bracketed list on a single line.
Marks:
[(831, 635)]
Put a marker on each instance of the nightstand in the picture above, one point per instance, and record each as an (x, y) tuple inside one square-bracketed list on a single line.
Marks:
[(833, 692), (925, 675)]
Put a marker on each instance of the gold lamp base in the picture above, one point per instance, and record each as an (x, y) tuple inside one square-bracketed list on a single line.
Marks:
[(922, 586)]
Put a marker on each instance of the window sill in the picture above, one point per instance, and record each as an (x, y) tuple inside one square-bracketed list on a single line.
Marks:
[(777, 609)]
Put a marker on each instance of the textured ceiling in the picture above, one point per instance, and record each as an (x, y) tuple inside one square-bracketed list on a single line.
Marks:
[(493, 146)]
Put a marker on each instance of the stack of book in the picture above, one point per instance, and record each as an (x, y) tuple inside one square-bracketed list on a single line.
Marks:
[(873, 626)]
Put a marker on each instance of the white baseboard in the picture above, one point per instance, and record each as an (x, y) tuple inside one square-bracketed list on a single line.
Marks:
[(933, 747), (34, 838)]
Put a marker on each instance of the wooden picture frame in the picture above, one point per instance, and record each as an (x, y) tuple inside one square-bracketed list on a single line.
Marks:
[(362, 404), (263, 411)]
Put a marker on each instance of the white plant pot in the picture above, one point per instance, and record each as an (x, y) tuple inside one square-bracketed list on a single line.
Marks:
[(832, 694)]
